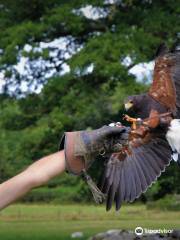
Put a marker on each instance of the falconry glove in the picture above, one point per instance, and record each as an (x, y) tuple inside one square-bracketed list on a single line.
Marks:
[(82, 147)]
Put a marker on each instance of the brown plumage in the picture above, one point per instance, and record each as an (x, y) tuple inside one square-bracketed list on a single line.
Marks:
[(163, 88), (128, 175)]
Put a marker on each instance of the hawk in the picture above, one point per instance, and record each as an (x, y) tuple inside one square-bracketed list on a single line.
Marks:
[(154, 138)]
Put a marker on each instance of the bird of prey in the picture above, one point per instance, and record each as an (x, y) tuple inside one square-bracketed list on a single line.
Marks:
[(154, 138)]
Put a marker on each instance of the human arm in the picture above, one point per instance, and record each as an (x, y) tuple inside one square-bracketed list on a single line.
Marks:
[(78, 154), (37, 174)]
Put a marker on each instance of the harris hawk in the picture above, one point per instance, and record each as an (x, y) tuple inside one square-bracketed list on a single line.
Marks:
[(154, 138)]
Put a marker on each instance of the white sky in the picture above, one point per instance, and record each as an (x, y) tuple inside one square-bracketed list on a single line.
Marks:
[(1, 80), (142, 71)]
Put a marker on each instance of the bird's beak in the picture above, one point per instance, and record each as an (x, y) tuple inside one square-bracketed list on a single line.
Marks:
[(128, 105)]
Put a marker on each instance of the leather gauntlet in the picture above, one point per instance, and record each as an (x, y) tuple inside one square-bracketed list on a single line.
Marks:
[(82, 147)]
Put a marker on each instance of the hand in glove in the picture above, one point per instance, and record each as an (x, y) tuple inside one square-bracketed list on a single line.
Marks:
[(82, 147)]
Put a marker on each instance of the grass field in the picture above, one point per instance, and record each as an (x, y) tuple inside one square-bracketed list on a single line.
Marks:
[(42, 222)]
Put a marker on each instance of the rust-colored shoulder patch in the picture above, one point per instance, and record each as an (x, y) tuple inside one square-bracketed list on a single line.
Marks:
[(162, 88)]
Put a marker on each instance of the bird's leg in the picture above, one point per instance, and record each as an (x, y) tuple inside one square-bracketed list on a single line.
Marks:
[(131, 120)]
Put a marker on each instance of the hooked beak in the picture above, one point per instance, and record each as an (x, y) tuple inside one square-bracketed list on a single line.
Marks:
[(128, 105)]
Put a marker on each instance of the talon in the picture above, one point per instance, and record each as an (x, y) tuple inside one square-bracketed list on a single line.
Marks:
[(131, 120)]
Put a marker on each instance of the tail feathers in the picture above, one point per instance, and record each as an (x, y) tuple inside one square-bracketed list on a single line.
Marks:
[(176, 157), (173, 138)]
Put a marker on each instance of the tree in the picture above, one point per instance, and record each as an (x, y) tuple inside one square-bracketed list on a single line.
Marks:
[(93, 39)]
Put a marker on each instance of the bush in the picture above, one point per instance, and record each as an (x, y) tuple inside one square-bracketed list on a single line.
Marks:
[(170, 202), (60, 194)]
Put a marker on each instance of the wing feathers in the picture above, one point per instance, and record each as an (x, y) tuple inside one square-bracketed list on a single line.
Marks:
[(142, 177), (175, 74), (126, 180), (136, 178), (166, 81)]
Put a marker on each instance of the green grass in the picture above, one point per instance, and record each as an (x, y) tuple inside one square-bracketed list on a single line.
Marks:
[(41, 222)]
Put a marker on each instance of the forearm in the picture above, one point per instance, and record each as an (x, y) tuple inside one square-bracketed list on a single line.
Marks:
[(35, 175), (14, 188)]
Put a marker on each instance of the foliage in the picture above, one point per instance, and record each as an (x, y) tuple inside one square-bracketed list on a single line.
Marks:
[(31, 123), (170, 203), (67, 190)]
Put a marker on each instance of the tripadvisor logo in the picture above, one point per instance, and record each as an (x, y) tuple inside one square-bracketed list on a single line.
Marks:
[(139, 231)]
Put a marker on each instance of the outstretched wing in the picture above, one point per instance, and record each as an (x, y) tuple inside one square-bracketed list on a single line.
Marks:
[(166, 81), (126, 178), (176, 80)]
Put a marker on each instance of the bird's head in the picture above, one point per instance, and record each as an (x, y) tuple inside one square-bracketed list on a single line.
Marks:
[(137, 104), (130, 103)]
